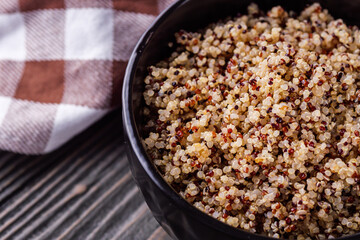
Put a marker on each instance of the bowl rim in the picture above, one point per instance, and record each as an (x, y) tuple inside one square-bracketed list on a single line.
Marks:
[(134, 140)]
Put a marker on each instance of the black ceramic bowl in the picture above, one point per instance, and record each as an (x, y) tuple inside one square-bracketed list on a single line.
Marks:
[(180, 219)]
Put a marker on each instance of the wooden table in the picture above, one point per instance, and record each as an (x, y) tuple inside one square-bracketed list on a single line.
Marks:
[(82, 191)]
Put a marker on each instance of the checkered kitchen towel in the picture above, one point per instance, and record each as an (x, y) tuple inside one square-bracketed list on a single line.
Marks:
[(61, 65)]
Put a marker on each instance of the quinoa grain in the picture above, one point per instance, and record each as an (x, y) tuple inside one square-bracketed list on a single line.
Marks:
[(257, 122)]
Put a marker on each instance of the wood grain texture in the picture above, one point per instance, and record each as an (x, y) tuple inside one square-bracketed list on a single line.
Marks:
[(82, 191)]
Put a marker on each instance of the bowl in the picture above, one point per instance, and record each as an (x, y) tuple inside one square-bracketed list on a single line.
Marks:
[(179, 218)]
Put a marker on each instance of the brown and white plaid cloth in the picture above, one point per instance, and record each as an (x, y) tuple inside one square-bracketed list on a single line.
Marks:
[(62, 64)]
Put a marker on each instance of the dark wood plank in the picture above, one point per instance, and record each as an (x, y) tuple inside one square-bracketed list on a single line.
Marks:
[(82, 191)]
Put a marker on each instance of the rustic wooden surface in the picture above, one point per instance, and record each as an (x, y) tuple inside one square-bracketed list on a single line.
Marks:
[(82, 191)]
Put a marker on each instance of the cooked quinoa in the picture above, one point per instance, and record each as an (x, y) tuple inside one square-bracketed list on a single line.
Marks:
[(257, 122)]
